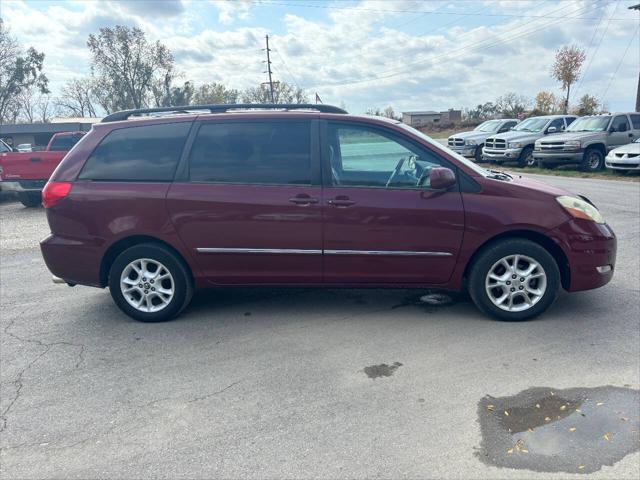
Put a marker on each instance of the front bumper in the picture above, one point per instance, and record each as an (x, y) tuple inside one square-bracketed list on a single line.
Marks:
[(22, 185), (559, 156), (590, 249), (505, 155), (622, 163), (465, 151)]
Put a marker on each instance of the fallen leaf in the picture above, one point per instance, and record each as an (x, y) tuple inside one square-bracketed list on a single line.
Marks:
[(580, 467), (599, 404), (607, 436), (537, 405), (506, 413), (552, 393), (491, 408), (572, 429), (563, 407), (524, 450), (530, 429), (510, 451), (578, 410), (547, 419), (624, 419)]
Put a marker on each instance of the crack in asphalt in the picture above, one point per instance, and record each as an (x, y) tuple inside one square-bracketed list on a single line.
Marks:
[(17, 382)]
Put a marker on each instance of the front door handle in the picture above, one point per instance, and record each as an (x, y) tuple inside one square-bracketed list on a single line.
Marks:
[(341, 201), (631, 135), (303, 200), (35, 159)]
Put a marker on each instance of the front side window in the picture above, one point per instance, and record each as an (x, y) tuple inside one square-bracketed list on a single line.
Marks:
[(620, 123), (558, 123), (361, 156), (263, 153), (138, 154), (3, 147)]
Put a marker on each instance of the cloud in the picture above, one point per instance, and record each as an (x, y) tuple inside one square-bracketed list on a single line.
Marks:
[(361, 56), (149, 8)]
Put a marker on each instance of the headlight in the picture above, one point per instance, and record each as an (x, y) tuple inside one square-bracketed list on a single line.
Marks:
[(471, 142), (516, 145), (572, 145), (578, 208)]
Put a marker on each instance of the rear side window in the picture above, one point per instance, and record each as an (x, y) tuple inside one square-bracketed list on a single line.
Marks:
[(138, 154), (635, 121), (264, 153), (64, 143)]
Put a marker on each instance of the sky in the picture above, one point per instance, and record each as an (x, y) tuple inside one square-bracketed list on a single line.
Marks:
[(361, 54)]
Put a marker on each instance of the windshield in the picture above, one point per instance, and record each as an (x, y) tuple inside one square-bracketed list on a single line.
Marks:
[(489, 126), (589, 124), (468, 163), (535, 124)]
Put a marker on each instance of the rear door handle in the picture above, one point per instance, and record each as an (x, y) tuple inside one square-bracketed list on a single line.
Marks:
[(35, 159), (341, 202), (303, 200)]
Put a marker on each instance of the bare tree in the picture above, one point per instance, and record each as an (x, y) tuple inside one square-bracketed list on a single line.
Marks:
[(282, 93), (511, 104), (18, 72), (126, 66), (77, 98), (566, 68)]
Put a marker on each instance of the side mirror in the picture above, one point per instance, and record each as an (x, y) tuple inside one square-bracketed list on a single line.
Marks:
[(441, 178), (612, 130), (552, 130)]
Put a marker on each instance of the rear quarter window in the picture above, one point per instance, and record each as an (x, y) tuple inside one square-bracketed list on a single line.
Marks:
[(635, 121), (138, 154)]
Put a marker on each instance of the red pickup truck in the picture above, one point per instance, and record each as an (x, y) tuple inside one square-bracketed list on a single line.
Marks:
[(26, 173)]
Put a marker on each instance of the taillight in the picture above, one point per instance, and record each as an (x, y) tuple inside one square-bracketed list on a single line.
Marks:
[(54, 192)]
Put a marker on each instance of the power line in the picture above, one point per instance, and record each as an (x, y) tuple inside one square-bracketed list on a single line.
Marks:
[(287, 68), (604, 33), (613, 75), (261, 3), (464, 49)]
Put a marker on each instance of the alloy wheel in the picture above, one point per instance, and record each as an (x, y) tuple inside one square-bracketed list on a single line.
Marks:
[(147, 285), (516, 283)]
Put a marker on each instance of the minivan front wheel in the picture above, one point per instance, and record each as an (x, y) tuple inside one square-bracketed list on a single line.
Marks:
[(514, 280), (149, 283)]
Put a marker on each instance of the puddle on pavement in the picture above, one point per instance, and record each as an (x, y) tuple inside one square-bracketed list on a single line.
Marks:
[(382, 370), (576, 430)]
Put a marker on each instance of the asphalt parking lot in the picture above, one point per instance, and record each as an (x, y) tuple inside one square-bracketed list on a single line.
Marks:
[(303, 383)]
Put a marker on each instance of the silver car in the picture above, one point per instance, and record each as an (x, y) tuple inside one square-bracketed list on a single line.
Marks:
[(469, 144), (625, 158)]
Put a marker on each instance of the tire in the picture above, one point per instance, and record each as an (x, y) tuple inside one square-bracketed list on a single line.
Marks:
[(489, 262), (526, 158), (30, 199), (158, 306), (478, 154), (592, 161)]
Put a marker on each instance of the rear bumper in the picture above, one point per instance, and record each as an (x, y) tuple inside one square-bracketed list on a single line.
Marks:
[(22, 185), (558, 157), (72, 260), (506, 155), (591, 252)]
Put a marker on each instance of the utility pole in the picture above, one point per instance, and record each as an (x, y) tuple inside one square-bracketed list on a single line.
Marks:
[(269, 71), (637, 7)]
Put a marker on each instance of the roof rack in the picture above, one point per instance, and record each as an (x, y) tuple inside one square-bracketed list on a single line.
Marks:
[(221, 108)]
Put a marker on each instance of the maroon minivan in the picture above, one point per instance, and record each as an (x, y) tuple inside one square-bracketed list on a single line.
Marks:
[(156, 203)]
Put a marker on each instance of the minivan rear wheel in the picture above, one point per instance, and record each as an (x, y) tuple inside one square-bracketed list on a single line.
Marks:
[(30, 199), (150, 283), (514, 280)]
